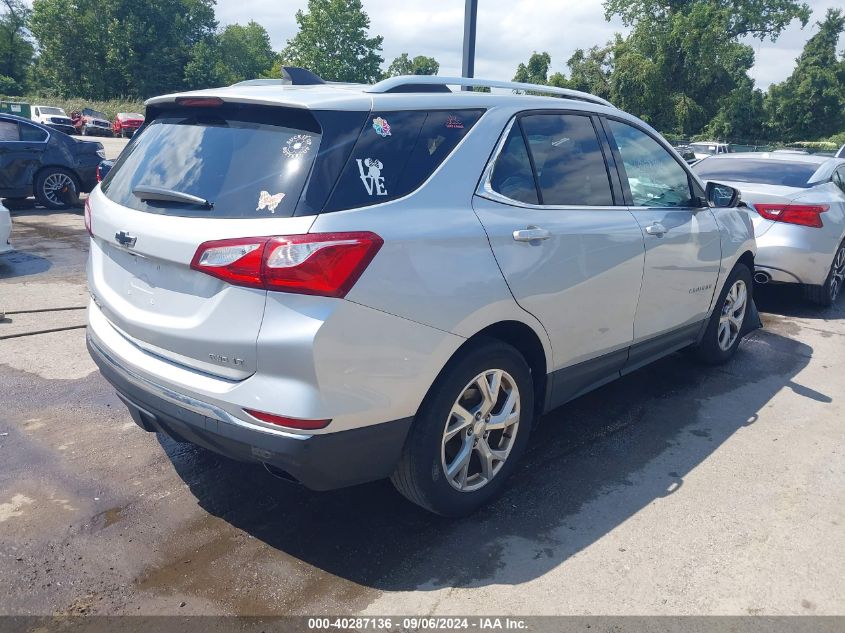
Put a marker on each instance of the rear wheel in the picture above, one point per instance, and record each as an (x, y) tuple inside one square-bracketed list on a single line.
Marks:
[(724, 330), (56, 188), (470, 431), (826, 294)]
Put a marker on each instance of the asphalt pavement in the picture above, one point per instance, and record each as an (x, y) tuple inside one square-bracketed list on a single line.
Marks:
[(679, 489)]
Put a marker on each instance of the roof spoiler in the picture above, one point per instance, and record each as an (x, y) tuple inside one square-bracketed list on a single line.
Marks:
[(291, 76)]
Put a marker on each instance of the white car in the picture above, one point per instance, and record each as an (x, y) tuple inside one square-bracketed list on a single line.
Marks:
[(5, 230), (53, 117), (703, 149)]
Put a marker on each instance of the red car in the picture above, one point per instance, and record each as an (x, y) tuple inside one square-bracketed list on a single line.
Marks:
[(126, 123)]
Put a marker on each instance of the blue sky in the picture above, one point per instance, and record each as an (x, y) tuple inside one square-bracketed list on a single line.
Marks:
[(508, 31)]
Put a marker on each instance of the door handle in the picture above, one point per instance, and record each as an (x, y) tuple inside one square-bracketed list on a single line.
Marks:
[(531, 234), (656, 229)]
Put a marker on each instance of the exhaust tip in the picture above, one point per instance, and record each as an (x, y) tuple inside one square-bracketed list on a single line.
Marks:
[(762, 278), (278, 473)]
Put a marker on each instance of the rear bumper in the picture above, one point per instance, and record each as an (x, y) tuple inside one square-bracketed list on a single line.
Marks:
[(320, 462), (795, 254)]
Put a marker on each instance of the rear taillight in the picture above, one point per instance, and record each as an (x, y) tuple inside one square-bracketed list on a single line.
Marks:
[(802, 214), (87, 216), (325, 264), (293, 423)]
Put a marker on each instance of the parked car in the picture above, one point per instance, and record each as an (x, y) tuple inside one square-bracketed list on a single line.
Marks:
[(5, 231), (798, 203), (703, 149), (443, 268), (103, 169), (53, 117), (37, 160), (90, 122), (125, 124)]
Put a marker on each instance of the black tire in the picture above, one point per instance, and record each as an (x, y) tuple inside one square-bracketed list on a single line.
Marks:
[(420, 474), (65, 199), (826, 294), (708, 350)]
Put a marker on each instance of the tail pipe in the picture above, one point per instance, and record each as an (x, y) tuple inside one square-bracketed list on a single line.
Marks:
[(762, 278)]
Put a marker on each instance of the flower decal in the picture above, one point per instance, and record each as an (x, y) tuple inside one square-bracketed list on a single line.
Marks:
[(297, 145), (381, 126)]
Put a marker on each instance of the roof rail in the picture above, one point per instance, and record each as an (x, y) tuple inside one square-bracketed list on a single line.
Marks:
[(401, 83)]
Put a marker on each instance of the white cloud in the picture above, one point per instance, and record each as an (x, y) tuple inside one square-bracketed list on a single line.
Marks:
[(508, 31)]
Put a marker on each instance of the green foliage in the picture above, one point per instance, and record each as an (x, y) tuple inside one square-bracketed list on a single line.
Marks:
[(332, 42), (16, 49), (236, 53), (419, 65), (536, 71), (109, 107), (117, 47), (811, 102)]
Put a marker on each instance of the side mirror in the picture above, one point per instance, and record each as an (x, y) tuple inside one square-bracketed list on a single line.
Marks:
[(721, 196)]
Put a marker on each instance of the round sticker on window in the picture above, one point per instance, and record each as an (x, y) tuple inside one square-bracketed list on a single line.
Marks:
[(297, 146)]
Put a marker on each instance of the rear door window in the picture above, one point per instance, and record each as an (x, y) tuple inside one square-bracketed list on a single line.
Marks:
[(512, 176), (568, 160), (396, 152), (246, 161), (32, 134)]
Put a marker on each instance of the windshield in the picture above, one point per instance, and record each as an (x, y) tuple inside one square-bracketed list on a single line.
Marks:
[(94, 114), (758, 170), (58, 111), (247, 162)]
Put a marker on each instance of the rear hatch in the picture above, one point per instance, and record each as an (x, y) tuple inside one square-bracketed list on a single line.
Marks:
[(251, 163)]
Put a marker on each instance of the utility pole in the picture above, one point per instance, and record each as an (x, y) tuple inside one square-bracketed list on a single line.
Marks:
[(470, 19)]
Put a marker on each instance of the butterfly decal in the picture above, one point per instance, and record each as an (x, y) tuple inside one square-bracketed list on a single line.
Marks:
[(266, 201)]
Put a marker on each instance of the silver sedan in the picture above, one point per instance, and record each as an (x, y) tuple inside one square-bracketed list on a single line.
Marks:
[(798, 209)]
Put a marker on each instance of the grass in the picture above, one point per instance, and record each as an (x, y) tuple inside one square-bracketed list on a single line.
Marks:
[(110, 107)]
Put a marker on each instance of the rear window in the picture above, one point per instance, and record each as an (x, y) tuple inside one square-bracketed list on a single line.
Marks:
[(396, 152), (248, 162), (758, 170)]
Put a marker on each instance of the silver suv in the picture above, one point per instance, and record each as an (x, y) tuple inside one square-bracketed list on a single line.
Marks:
[(348, 283)]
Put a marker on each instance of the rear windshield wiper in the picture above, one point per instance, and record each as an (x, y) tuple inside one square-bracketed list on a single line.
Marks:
[(160, 194)]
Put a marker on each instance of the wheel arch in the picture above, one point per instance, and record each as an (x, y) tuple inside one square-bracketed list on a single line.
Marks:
[(527, 342)]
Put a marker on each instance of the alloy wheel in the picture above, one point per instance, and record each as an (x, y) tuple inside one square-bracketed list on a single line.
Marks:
[(55, 184), (480, 430), (733, 315)]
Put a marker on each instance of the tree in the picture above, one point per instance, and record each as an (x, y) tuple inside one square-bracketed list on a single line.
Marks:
[(810, 104), (236, 53), (419, 65), (683, 58), (536, 71), (117, 47), (16, 51), (332, 42)]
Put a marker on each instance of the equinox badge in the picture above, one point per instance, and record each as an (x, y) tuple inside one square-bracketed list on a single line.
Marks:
[(124, 239)]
